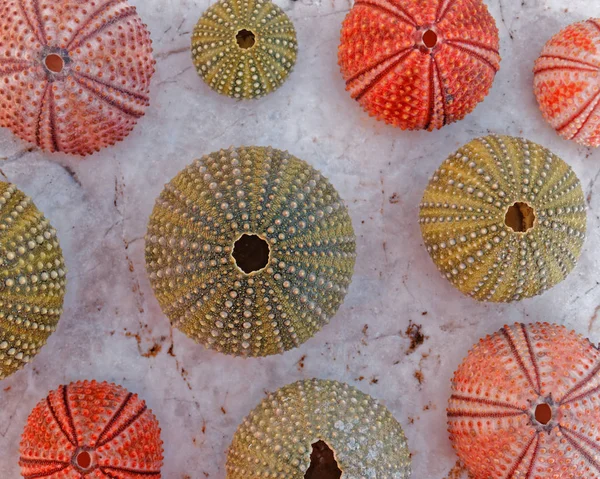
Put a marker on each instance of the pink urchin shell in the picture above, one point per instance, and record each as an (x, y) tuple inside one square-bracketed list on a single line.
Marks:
[(92, 430), (567, 82), (525, 403), (74, 75), (419, 64)]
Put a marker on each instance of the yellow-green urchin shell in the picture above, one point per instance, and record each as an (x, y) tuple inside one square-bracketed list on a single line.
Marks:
[(32, 279), (244, 48), (503, 219), (275, 439), (259, 206)]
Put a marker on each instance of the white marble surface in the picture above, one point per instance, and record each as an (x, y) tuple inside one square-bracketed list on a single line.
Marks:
[(100, 206)]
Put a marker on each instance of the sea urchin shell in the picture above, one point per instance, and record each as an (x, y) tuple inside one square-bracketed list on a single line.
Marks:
[(32, 279), (567, 82), (503, 219), (75, 76), (275, 439), (244, 48), (524, 404), (92, 430), (419, 64), (250, 251)]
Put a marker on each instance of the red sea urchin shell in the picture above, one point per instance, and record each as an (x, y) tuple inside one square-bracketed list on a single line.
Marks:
[(525, 404), (419, 64), (74, 75), (92, 430), (567, 82)]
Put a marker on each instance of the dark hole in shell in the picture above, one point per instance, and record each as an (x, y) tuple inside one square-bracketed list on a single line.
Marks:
[(245, 39), (251, 253), (520, 217), (430, 39), (54, 63), (543, 413), (84, 460), (322, 463)]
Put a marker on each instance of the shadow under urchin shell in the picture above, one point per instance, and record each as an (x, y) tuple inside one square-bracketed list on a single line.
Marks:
[(32, 279), (567, 82), (90, 429), (75, 74), (419, 64), (275, 439), (244, 48), (467, 231), (524, 404), (275, 199)]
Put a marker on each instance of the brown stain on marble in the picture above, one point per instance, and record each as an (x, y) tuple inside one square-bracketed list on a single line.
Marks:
[(414, 332)]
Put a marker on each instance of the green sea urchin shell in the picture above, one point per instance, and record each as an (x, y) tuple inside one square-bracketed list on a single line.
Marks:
[(224, 209), (244, 48), (275, 440), (503, 219), (32, 279)]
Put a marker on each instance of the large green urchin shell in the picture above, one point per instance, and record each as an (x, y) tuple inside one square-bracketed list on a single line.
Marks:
[(259, 209), (275, 440), (503, 219), (244, 48), (32, 279)]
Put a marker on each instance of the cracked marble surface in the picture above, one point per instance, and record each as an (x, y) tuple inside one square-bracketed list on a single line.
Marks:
[(402, 330)]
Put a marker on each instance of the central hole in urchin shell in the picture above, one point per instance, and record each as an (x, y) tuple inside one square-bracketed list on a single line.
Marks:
[(543, 413), (84, 460), (245, 38), (251, 253), (430, 38), (54, 63), (322, 463), (520, 217)]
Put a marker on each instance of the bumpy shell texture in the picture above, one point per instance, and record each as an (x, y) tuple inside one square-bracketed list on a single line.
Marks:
[(567, 82), (92, 430), (75, 75), (32, 279), (275, 439), (230, 195), (419, 64), (466, 212), (494, 415), (244, 48)]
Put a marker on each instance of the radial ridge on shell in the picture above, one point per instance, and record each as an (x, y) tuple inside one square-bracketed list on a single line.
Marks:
[(32, 280), (503, 219), (524, 404), (74, 75), (280, 438), (419, 64), (250, 251)]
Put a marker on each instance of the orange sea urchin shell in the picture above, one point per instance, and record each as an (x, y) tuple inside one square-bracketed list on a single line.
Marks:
[(524, 405), (419, 64), (567, 82), (74, 75), (91, 430)]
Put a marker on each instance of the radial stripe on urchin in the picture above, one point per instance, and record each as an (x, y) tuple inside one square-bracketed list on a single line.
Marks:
[(32, 279), (244, 48), (75, 76), (567, 82), (503, 219), (250, 251), (524, 404), (419, 64), (92, 430)]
